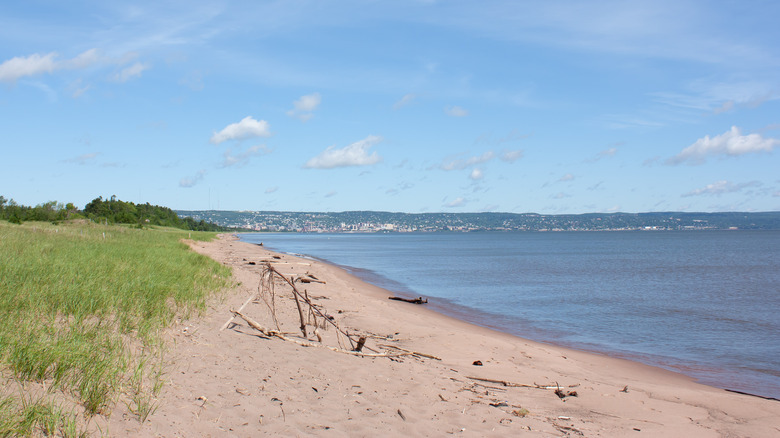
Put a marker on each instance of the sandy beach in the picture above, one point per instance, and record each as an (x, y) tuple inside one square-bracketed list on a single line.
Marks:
[(464, 380)]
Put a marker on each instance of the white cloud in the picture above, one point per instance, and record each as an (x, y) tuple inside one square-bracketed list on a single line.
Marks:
[(561, 195), (356, 154), (248, 127), (511, 156), (730, 143), (476, 175), (241, 159), (406, 100), (331, 194), (270, 190), (131, 72), (455, 111), (187, 182), (721, 187), (457, 202), (462, 164), (34, 64), (83, 60), (567, 177), (303, 107)]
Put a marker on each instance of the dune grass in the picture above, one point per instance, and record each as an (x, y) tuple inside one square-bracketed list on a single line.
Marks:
[(81, 311)]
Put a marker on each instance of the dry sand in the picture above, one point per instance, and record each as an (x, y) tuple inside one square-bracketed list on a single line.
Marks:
[(236, 383)]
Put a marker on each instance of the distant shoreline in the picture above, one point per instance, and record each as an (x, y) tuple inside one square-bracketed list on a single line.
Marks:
[(377, 221)]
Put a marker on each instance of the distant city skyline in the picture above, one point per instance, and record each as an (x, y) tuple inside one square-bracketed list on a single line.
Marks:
[(412, 106)]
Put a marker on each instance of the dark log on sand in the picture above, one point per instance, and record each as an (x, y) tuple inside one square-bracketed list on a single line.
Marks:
[(413, 301)]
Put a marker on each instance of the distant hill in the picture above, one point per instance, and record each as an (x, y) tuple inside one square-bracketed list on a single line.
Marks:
[(379, 221)]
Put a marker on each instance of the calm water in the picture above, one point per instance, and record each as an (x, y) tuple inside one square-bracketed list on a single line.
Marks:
[(703, 303)]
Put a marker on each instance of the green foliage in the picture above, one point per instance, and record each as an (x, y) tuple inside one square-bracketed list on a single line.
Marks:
[(78, 299), (116, 211), (108, 211)]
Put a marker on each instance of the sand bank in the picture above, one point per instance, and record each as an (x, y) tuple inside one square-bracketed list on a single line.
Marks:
[(235, 383)]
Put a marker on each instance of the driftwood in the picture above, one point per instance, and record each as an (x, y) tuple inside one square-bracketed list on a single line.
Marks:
[(271, 270), (413, 353), (274, 333), (309, 278), (248, 300), (407, 300), (556, 387), (312, 315)]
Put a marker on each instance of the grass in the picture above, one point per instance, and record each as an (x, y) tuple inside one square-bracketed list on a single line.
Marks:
[(83, 306)]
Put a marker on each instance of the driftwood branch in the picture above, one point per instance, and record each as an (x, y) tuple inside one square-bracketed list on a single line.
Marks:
[(516, 385), (248, 300), (308, 302), (407, 300), (300, 314), (274, 333), (413, 353)]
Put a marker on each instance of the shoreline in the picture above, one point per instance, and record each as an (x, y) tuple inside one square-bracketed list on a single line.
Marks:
[(233, 382), (448, 308)]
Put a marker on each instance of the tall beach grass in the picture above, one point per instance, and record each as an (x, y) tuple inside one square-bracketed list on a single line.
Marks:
[(82, 307)]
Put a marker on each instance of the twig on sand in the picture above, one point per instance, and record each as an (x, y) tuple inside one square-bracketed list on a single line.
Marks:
[(413, 353), (516, 385)]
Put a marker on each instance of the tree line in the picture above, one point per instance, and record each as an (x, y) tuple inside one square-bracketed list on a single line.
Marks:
[(109, 211)]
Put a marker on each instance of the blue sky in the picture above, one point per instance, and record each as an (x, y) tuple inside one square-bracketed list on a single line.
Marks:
[(415, 106)]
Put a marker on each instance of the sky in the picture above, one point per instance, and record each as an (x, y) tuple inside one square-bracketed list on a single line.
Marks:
[(554, 107)]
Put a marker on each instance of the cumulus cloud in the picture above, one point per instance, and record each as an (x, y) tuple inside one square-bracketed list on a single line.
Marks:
[(720, 188), (476, 175), (455, 111), (406, 100), (190, 181), (730, 143), (457, 202), (130, 72), (356, 154), (511, 156), (242, 158), (303, 108), (460, 164), (567, 177), (35, 64), (248, 127)]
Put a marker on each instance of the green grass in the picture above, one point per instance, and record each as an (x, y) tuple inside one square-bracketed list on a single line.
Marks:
[(82, 307)]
